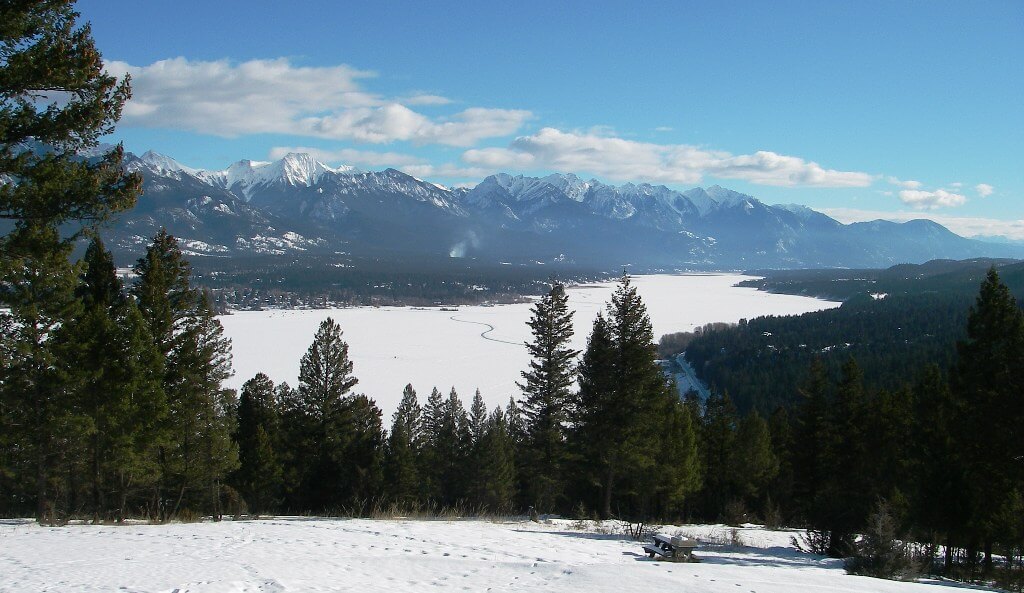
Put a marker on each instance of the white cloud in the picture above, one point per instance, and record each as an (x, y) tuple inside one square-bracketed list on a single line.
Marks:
[(929, 200), (427, 99), (274, 96), (664, 129), (984, 190), (908, 184), (624, 160), (394, 121), (965, 226)]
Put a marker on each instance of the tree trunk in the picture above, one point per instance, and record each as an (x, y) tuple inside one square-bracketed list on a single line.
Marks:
[(97, 502), (606, 510)]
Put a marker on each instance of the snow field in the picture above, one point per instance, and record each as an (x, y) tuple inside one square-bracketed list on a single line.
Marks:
[(316, 555), (393, 346)]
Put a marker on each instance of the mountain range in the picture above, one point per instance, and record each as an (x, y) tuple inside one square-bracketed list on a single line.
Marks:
[(297, 205)]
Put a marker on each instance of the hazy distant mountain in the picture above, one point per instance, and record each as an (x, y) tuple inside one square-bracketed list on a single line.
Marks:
[(298, 205)]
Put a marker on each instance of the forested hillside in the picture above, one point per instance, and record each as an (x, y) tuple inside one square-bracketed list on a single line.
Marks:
[(892, 321)]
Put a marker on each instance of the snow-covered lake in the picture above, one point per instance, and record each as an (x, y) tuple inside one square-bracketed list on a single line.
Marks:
[(309, 555), (393, 346)]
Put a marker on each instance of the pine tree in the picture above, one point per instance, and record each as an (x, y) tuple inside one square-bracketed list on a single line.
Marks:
[(593, 415), (811, 440), (41, 384), (477, 417), (199, 451), (494, 487), (991, 391), (208, 454), (325, 380), (940, 498), (56, 94), (447, 444), (260, 474), (718, 446), (546, 389), (363, 451), (122, 395), (621, 403), (753, 460), (401, 471), (429, 460)]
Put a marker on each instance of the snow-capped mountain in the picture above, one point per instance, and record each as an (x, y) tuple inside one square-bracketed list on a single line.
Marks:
[(299, 205)]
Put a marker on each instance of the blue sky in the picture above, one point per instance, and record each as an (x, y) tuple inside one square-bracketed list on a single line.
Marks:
[(860, 109)]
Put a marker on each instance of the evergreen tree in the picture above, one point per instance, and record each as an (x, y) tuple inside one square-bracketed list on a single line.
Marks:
[(363, 452), (401, 473), (205, 453), (477, 417), (546, 390), (494, 487), (260, 474), (196, 356), (990, 388), (56, 94), (753, 459), (621, 403), (323, 416), (55, 101), (593, 415), (122, 394), (940, 496), (811, 440), (40, 388), (429, 460), (718, 446), (448, 442)]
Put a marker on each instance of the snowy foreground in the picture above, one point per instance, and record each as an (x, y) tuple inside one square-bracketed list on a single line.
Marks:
[(477, 347), (299, 554)]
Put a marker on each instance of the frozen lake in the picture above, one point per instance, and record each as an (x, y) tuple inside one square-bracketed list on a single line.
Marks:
[(393, 346)]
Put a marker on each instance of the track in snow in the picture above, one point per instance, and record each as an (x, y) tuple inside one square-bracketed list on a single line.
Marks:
[(484, 333)]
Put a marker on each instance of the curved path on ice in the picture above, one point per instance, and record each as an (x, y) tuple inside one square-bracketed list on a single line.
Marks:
[(484, 333)]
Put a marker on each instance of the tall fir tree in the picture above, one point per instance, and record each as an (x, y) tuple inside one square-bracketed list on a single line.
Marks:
[(56, 101), (718, 443), (990, 388), (41, 387), (199, 451), (493, 489), (259, 477), (592, 416), (122, 395), (546, 391), (621, 403), (323, 417), (401, 471)]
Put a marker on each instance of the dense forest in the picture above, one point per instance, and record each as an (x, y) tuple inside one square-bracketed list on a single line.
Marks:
[(891, 320)]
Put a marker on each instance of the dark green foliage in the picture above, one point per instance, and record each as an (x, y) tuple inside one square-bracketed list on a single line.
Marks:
[(39, 393), (259, 475), (401, 472), (447, 446), (122, 395), (620, 420), (319, 419), (990, 390), (199, 452), (493, 487), (546, 390), (56, 101)]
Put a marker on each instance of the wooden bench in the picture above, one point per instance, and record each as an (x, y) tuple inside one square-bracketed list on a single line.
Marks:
[(677, 548)]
